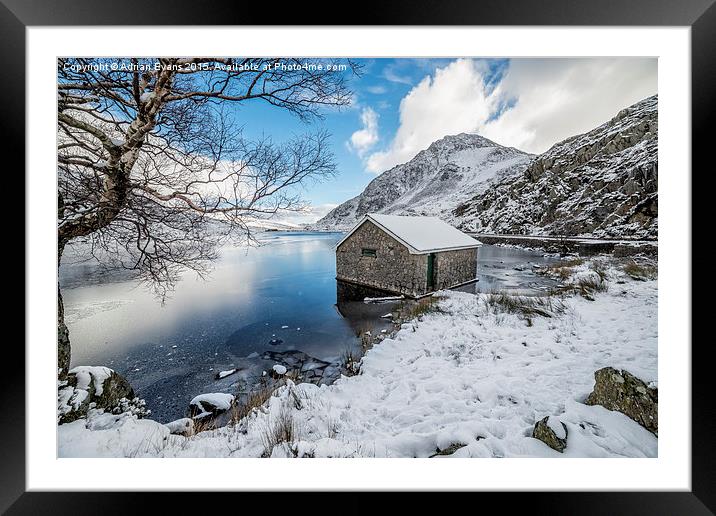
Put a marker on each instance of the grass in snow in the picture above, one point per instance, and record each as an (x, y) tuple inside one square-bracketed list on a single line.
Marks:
[(254, 399), (279, 430), (642, 272), (562, 269), (525, 307), (350, 362)]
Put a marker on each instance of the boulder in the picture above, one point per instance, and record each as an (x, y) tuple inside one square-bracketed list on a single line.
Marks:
[(278, 371), (88, 387), (184, 426), (623, 392), (210, 404), (552, 432)]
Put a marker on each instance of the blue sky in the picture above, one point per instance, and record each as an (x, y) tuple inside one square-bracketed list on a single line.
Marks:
[(400, 106), (382, 85)]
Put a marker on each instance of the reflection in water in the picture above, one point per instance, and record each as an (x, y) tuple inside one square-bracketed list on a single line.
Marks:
[(278, 297), (362, 316)]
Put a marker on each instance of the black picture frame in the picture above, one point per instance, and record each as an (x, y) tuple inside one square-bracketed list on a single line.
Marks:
[(700, 15)]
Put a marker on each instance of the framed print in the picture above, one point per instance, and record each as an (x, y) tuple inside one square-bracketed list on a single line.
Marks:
[(416, 252)]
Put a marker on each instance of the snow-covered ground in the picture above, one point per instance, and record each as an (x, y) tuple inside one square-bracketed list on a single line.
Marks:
[(468, 377)]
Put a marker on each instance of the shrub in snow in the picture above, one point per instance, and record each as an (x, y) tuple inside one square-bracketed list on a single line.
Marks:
[(136, 407)]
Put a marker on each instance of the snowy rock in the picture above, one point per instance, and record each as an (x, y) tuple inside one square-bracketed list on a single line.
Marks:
[(184, 426), (223, 374), (601, 183), (91, 387), (278, 370), (552, 432), (622, 391), (448, 450), (210, 404)]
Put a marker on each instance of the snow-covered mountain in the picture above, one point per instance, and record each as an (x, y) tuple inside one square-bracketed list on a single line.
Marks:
[(601, 183), (449, 172)]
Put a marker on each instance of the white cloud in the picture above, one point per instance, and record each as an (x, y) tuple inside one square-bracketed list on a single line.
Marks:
[(558, 98), (377, 89), (452, 101), (363, 139), (553, 99), (390, 74)]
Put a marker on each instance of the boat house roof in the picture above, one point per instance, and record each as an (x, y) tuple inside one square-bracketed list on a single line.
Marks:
[(420, 235)]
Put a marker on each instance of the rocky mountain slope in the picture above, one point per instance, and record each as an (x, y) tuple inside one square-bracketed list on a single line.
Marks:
[(446, 174), (602, 183)]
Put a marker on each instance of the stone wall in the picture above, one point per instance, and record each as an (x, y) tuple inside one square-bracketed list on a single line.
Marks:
[(455, 267), (582, 246), (394, 269)]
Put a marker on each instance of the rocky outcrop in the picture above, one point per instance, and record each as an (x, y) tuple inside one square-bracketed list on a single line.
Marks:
[(622, 391), (305, 367), (552, 432), (92, 387), (602, 183)]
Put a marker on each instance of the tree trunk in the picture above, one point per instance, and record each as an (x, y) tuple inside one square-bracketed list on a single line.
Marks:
[(63, 334), (63, 339)]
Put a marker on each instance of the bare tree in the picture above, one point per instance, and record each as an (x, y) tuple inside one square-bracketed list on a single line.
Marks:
[(154, 173)]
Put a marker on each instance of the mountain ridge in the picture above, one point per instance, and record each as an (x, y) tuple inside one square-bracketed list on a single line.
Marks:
[(447, 172), (600, 183)]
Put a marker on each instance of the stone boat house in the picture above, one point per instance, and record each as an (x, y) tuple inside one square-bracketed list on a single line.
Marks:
[(412, 256)]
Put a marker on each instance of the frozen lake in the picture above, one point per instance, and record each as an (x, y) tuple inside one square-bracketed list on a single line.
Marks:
[(276, 297)]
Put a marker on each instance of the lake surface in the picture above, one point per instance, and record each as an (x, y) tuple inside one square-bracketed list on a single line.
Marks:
[(276, 297)]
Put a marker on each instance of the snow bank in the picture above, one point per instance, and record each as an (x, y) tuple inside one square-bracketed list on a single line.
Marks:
[(108, 435)]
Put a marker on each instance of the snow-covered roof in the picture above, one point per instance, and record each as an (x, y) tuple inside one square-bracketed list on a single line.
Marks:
[(419, 234)]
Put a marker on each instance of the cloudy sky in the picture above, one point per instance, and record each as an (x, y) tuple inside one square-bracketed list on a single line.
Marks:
[(401, 106)]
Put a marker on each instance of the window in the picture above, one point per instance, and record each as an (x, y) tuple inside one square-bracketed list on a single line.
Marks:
[(368, 252)]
